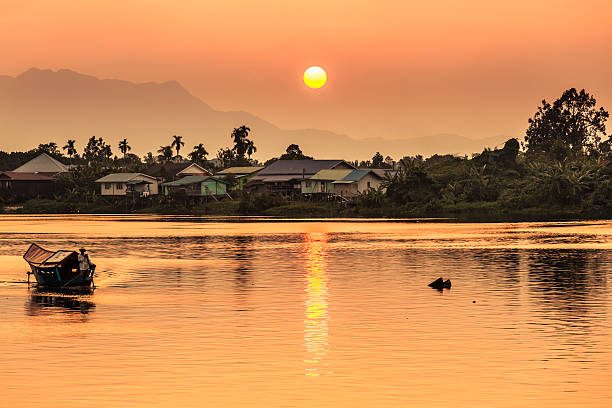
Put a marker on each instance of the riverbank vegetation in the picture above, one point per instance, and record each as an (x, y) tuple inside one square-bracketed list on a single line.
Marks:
[(562, 169)]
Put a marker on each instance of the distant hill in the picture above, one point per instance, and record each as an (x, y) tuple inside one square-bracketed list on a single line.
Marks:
[(39, 106)]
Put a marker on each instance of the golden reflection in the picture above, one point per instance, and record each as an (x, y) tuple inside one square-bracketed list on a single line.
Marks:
[(316, 321)]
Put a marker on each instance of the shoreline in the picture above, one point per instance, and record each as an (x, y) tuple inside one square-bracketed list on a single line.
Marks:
[(476, 212)]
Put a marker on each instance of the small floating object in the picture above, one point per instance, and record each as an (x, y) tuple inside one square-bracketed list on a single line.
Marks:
[(440, 284)]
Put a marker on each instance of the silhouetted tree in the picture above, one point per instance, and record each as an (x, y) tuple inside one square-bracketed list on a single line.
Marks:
[(177, 143), (70, 149), (241, 141), (124, 147), (97, 151), (293, 152), (572, 124), (165, 153), (198, 155), (49, 148)]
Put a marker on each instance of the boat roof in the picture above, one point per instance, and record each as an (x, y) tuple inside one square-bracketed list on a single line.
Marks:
[(38, 256)]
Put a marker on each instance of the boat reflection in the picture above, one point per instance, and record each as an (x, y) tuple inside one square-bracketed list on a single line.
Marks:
[(65, 301), (316, 320)]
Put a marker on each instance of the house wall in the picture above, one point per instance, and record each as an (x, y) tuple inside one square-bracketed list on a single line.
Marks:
[(309, 186), (213, 187), (375, 182), (113, 189), (346, 190), (120, 189), (27, 188)]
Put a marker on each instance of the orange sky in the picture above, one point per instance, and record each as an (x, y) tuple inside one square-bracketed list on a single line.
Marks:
[(396, 69)]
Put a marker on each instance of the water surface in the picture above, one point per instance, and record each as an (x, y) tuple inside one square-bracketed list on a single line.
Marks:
[(270, 313)]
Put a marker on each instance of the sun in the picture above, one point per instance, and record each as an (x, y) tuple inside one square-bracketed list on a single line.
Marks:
[(315, 77)]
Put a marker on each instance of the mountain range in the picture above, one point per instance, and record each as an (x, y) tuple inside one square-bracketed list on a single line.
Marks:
[(39, 106)]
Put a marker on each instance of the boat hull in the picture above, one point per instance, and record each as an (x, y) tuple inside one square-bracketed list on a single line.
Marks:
[(52, 278)]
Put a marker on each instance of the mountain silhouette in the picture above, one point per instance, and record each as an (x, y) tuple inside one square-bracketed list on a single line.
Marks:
[(39, 106)]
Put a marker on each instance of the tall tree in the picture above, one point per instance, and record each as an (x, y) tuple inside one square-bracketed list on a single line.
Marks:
[(165, 153), (177, 143), (571, 125), (293, 152), (124, 147), (377, 160), (250, 148), (240, 138), (70, 149), (198, 155), (49, 148), (97, 151)]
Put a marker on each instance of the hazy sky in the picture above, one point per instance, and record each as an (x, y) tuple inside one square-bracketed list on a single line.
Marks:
[(396, 69)]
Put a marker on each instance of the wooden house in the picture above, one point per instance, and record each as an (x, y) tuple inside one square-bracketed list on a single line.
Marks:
[(173, 171), (196, 186), (285, 176), (242, 175), (25, 185), (123, 184), (42, 164), (343, 183)]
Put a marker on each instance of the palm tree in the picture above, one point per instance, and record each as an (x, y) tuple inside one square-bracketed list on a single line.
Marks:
[(198, 154), (124, 147), (177, 143), (165, 153), (250, 147), (239, 135), (70, 149)]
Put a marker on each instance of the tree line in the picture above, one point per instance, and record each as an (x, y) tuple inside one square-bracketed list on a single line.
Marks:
[(563, 161)]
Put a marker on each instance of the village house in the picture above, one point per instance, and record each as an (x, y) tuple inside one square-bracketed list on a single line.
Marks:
[(241, 175), (42, 164), (173, 171), (122, 184), (25, 185), (196, 186), (285, 176), (343, 183)]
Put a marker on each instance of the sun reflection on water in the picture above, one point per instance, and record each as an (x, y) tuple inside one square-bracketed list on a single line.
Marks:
[(316, 322)]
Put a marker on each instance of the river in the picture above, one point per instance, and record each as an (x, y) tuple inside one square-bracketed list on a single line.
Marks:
[(253, 312)]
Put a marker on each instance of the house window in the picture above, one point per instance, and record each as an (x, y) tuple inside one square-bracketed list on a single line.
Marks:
[(108, 186), (308, 183), (119, 186), (323, 187), (369, 186)]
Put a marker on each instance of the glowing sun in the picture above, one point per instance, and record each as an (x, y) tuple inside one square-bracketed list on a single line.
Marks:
[(315, 77)]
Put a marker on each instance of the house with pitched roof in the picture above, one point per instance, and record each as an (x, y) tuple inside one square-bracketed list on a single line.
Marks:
[(196, 186), (343, 183), (25, 185), (123, 184), (173, 171), (242, 175), (42, 164), (285, 176)]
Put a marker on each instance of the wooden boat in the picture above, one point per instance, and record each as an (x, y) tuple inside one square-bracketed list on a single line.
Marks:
[(57, 269)]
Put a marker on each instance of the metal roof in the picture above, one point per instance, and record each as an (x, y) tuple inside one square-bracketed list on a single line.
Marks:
[(299, 166), (331, 175), (357, 175), (42, 163), (188, 169), (191, 180), (240, 170), (122, 177), (25, 176)]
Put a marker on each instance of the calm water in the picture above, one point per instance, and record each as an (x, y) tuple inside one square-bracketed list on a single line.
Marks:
[(195, 312)]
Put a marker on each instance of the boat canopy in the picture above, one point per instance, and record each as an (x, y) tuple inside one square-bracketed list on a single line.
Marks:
[(38, 256)]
